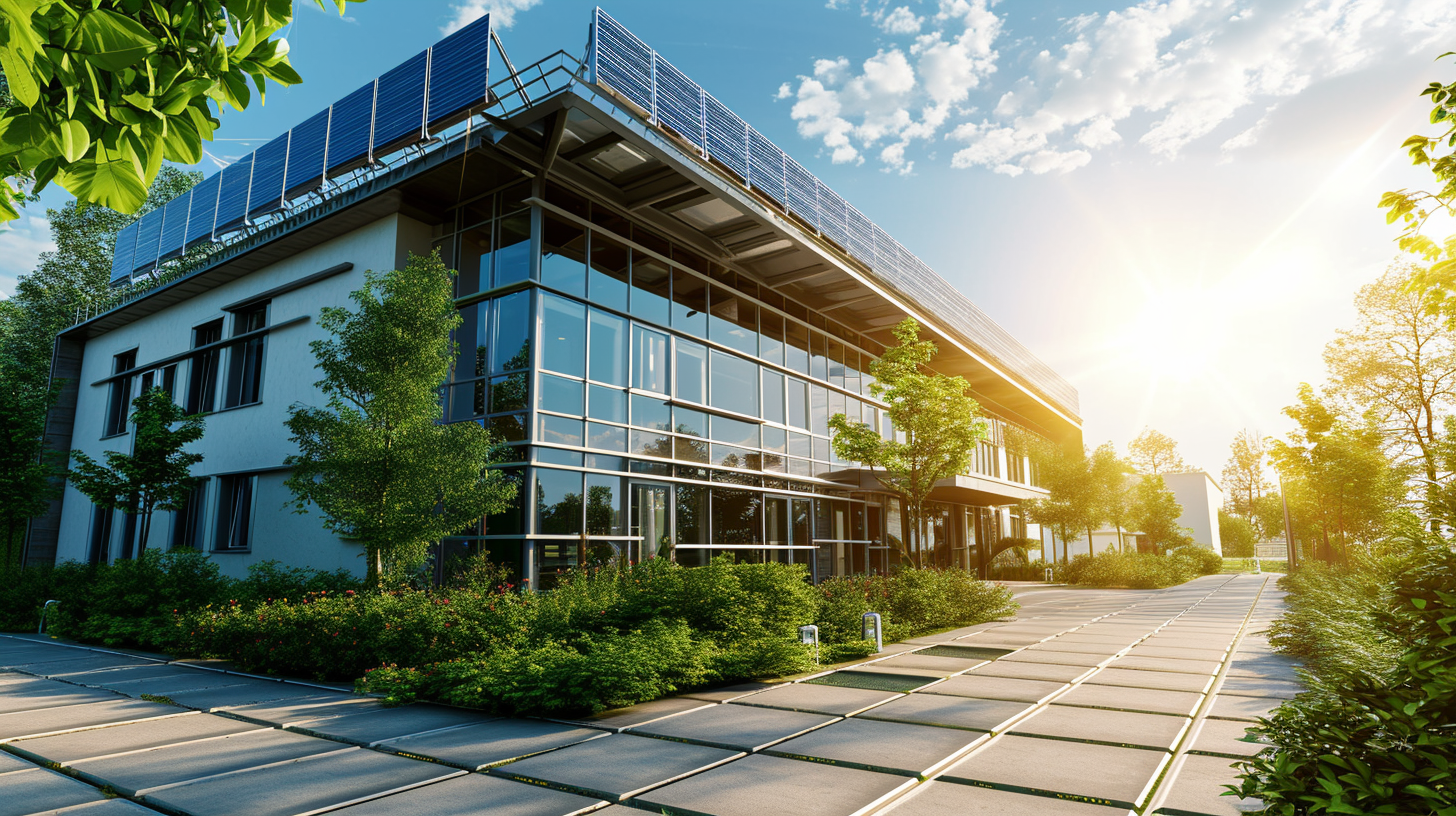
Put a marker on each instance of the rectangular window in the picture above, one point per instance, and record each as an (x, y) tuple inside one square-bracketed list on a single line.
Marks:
[(692, 514), (474, 268), (471, 339), (558, 502), (607, 348), (563, 257), (203, 369), (511, 343), (603, 505), (607, 280), (734, 384), (101, 519), (563, 332), (561, 395), (234, 513), (607, 404), (651, 280), (771, 339), (692, 371), (649, 360), (118, 405), (689, 304), (798, 395), (733, 321), (513, 249), (187, 522), (819, 409), (245, 366)]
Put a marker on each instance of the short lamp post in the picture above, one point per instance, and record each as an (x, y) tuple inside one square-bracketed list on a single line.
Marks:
[(809, 636), (43, 611), (872, 630)]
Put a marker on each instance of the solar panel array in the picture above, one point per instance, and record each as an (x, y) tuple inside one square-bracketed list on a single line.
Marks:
[(626, 64), (425, 94)]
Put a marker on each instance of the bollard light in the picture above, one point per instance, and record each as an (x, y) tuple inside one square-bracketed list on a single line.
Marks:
[(43, 611), (1049, 575), (809, 636), (1258, 569), (871, 630)]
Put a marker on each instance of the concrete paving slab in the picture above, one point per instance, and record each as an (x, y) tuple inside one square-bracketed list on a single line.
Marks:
[(1260, 687), (1058, 658), (1195, 787), (1101, 774), (999, 641), (475, 794), (1269, 667), (1171, 641), (758, 784), (117, 739), (110, 807), (882, 746), (20, 724), (240, 695), (69, 664), (963, 651), (139, 772), (615, 767), (949, 712), (619, 718), (1031, 671), (942, 666), (1137, 678), (996, 688), (956, 799), (369, 727), (816, 699), (302, 709), (1167, 664), (1225, 737), (1123, 698), (32, 699), (105, 678), (475, 747), (737, 728), (1230, 707), (1084, 647), (726, 693), (1124, 728), (303, 786), (11, 764), (181, 681), (1215, 654), (39, 790)]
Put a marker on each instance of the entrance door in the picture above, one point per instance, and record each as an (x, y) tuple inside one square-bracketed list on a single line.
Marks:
[(650, 520)]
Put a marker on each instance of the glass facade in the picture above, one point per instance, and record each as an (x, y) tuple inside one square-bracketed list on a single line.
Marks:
[(659, 404)]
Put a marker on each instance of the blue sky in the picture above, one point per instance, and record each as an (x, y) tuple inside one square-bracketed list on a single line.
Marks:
[(1172, 203)]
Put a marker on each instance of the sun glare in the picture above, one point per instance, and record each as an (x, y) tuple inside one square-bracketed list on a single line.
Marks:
[(1177, 335)]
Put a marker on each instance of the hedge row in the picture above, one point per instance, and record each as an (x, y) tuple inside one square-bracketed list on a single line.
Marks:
[(1141, 570)]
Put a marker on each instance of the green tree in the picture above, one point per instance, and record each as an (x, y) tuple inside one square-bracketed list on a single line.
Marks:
[(1414, 207), (1074, 502), (1236, 535), (1154, 452), (1156, 512), (157, 474), (1340, 485), (1109, 477), (102, 91), (377, 462), (940, 421), (28, 474), (1244, 482)]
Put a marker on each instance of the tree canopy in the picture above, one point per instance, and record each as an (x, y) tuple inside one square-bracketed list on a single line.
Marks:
[(939, 419), (1156, 512), (102, 91), (1154, 452), (376, 461)]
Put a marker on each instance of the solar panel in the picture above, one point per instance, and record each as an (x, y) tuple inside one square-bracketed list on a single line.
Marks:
[(204, 210), (125, 251), (727, 136), (622, 61), (149, 238), (232, 200), (679, 102), (802, 192), (832, 216), (399, 106), (306, 155), (459, 73), (349, 130), (174, 226), (266, 190), (765, 166)]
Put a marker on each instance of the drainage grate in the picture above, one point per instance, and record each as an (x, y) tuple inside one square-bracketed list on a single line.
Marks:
[(873, 681), (967, 652)]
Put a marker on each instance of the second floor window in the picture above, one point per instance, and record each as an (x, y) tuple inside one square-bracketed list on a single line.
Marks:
[(118, 407), (203, 373), (234, 513), (245, 368)]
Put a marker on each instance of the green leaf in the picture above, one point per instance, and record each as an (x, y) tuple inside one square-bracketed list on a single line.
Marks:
[(182, 143), (112, 42), (110, 179), (75, 140), (20, 75)]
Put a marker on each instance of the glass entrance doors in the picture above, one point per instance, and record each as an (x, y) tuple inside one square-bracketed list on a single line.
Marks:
[(649, 520)]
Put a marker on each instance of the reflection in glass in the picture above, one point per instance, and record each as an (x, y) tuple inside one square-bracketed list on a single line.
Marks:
[(512, 520), (819, 409), (798, 396), (685, 449), (775, 439), (734, 432), (647, 443), (513, 251), (650, 412), (558, 501), (690, 422), (511, 346), (651, 280), (470, 338), (649, 360), (557, 430), (509, 427), (836, 363), (818, 356), (607, 281), (801, 444), (607, 348), (692, 514), (563, 335), (773, 396), (561, 395), (603, 505), (735, 516), (692, 371), (776, 521), (729, 456), (797, 347), (474, 267), (771, 338), (563, 256), (607, 404), (689, 304), (508, 393), (733, 321), (734, 384), (606, 437)]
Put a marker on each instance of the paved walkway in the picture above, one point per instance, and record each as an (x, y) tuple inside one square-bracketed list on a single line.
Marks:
[(1089, 703)]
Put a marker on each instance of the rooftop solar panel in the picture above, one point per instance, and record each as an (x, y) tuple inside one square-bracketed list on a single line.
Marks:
[(622, 61), (306, 155), (679, 103), (204, 210), (266, 190), (399, 105), (174, 226), (349, 130), (125, 250), (232, 200), (459, 73), (149, 239)]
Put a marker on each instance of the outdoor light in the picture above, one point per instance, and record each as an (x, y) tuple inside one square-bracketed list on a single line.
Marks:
[(43, 611), (809, 635), (871, 630)]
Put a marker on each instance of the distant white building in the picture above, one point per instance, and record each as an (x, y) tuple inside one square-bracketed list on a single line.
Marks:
[(1197, 493)]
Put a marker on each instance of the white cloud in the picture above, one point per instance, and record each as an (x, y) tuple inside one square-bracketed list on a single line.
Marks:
[(25, 239), (1157, 76), (502, 13)]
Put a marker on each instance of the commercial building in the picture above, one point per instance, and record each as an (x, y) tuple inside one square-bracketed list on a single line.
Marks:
[(661, 312), (1197, 493)]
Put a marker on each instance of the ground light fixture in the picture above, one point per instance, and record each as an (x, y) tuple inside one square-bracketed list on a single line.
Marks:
[(809, 636), (872, 630), (43, 611)]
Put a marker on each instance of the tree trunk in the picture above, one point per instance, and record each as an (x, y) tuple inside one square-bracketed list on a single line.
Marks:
[(374, 566), (145, 530)]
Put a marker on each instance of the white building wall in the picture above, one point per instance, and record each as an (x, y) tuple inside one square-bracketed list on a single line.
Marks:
[(1200, 497), (248, 438)]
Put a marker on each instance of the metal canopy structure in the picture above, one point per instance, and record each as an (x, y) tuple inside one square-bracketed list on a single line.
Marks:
[(427, 93)]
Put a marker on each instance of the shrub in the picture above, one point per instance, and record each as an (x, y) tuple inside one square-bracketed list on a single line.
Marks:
[(132, 602), (1034, 571), (910, 602), (1132, 570), (1198, 559)]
